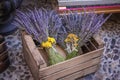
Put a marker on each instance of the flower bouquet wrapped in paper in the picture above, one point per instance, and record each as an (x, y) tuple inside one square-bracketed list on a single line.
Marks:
[(44, 26), (77, 29)]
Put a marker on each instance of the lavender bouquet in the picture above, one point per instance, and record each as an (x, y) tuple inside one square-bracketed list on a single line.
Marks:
[(44, 26), (78, 29)]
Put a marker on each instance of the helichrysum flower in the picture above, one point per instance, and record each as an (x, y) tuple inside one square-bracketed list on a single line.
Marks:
[(72, 38), (52, 40), (49, 43), (75, 44), (71, 35), (71, 42), (46, 44)]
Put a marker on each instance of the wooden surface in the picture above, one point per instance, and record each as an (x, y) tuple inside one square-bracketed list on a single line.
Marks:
[(70, 63), (2, 47), (34, 51), (32, 56), (71, 70), (106, 10), (99, 41), (3, 55), (30, 61), (4, 60), (61, 51), (80, 73)]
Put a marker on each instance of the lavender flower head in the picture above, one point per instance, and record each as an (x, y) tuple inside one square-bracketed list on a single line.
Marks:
[(39, 23)]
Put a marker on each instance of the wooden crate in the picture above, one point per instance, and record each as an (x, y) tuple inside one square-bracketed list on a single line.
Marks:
[(4, 61), (67, 70)]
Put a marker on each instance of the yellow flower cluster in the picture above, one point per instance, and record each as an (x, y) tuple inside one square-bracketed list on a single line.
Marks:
[(49, 42), (52, 40), (72, 38)]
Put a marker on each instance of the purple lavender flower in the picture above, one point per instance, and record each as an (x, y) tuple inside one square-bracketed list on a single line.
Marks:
[(84, 25), (39, 22)]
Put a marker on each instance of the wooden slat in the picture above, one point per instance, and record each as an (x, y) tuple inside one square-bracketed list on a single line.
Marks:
[(80, 73), (114, 9), (3, 55), (72, 69), (29, 57), (44, 55), (95, 47), (30, 61), (34, 51), (99, 41), (69, 63), (2, 47), (87, 47)]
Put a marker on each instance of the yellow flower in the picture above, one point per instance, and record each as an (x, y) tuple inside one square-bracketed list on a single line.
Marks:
[(67, 40), (70, 35), (71, 38), (76, 39), (52, 40), (43, 44), (46, 44), (75, 44)]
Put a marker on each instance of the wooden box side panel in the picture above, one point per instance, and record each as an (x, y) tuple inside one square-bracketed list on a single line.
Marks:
[(81, 73), (34, 51), (80, 60), (72, 70), (32, 64), (33, 61)]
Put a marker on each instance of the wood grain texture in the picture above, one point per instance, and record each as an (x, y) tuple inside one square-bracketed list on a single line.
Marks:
[(61, 51), (70, 63), (34, 51), (80, 73), (73, 69), (33, 61), (99, 41), (30, 61), (2, 47), (98, 10)]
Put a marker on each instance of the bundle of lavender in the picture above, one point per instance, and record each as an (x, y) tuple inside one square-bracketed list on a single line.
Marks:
[(44, 26), (77, 29)]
